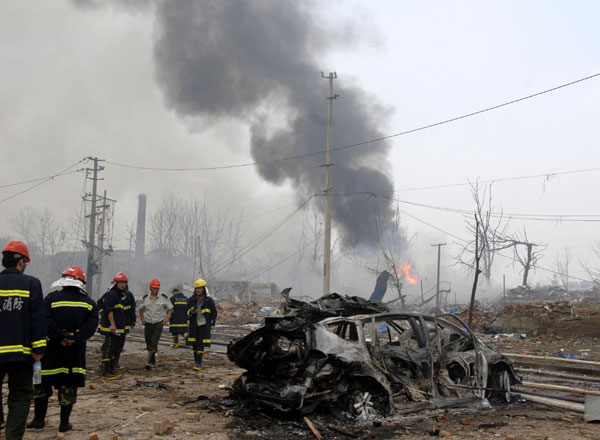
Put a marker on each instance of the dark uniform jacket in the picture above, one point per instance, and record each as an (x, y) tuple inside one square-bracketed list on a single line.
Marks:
[(69, 310), (209, 310), (115, 301), (23, 330), (179, 321), (129, 308)]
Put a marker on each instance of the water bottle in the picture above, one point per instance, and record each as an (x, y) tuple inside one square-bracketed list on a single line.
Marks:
[(37, 373)]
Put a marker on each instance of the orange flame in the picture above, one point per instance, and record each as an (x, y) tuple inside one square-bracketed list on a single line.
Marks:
[(403, 272)]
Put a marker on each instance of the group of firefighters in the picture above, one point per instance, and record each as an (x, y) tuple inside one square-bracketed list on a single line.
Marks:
[(49, 334)]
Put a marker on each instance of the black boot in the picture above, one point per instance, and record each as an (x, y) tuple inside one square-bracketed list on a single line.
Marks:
[(198, 359), (40, 406), (112, 370), (65, 413), (117, 358), (106, 371), (175, 343), (153, 359)]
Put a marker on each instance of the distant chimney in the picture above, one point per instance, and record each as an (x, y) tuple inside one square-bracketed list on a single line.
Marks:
[(140, 235)]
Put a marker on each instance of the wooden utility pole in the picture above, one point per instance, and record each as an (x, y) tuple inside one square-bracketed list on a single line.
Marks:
[(437, 286), (328, 188)]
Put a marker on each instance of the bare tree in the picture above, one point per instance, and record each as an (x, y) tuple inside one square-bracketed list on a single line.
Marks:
[(217, 245), (593, 271), (41, 231), (43, 234), (562, 267), (209, 239), (165, 231), (526, 253), (488, 230), (479, 250)]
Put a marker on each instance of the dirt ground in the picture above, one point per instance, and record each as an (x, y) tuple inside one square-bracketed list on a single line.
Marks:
[(198, 405)]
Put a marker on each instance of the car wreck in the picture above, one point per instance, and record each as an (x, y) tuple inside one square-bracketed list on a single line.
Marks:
[(351, 354)]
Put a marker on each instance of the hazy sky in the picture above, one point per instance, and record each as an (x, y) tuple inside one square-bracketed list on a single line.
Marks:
[(84, 81)]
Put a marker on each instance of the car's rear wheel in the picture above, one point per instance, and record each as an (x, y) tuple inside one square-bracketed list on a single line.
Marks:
[(505, 386), (500, 384)]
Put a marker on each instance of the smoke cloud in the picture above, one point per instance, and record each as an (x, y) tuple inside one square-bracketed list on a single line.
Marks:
[(257, 61)]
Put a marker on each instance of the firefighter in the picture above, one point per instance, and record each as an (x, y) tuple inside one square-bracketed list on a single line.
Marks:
[(202, 315), (22, 335), (155, 312), (178, 324), (129, 309), (71, 319), (113, 321)]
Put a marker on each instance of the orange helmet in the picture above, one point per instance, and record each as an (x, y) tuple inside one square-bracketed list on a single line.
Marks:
[(155, 283), (18, 247), (120, 277), (75, 272)]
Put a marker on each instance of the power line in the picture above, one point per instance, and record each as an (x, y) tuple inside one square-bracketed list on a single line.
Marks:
[(514, 260), (37, 180), (468, 212), (44, 180), (538, 217), (547, 176), (244, 250), (367, 142)]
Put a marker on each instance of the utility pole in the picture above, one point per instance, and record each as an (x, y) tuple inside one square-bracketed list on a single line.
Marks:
[(104, 207), (328, 165), (437, 288), (91, 244)]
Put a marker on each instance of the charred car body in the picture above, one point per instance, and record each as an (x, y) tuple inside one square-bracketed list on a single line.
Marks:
[(369, 363)]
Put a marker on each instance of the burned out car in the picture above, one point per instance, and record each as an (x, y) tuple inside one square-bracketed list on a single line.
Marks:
[(368, 364)]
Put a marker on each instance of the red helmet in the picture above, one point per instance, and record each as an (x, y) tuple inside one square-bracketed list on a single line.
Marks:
[(155, 283), (75, 272), (18, 247), (120, 277)]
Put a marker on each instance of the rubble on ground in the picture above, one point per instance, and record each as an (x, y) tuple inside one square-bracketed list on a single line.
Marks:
[(559, 318)]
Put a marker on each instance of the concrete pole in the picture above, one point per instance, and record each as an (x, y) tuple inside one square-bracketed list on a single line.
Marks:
[(101, 244), (437, 288), (328, 165), (92, 238)]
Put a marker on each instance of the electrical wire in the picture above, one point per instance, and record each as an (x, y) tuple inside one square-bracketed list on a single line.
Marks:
[(367, 142), (537, 217), (514, 260), (468, 212), (45, 179), (256, 274), (250, 246), (8, 185), (547, 176)]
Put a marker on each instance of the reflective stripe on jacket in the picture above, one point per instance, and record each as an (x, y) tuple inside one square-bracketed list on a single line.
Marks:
[(22, 317)]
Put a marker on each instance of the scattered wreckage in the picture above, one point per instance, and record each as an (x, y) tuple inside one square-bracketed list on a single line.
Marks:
[(352, 354)]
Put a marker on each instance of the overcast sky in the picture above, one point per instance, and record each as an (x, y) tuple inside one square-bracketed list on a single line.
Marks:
[(87, 79)]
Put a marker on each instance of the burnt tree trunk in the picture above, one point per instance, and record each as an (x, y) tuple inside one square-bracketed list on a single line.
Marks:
[(478, 255), (527, 264)]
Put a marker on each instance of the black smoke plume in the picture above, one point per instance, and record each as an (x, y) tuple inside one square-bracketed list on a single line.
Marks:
[(257, 60)]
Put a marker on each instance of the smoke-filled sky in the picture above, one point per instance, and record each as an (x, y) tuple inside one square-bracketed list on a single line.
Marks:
[(180, 84)]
